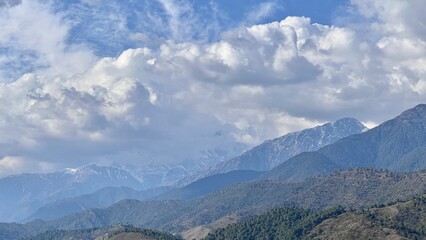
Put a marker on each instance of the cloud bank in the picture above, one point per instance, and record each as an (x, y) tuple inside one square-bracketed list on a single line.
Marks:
[(170, 102)]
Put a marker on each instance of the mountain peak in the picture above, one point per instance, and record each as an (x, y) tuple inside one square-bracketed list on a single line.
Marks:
[(347, 120), (348, 123)]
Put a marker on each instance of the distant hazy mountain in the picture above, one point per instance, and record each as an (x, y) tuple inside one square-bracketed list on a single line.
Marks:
[(398, 144), (20, 195), (210, 184), (110, 195), (161, 174), (351, 188), (273, 152), (100, 199)]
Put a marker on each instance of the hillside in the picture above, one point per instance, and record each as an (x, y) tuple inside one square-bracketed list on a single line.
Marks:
[(350, 188), (210, 184), (402, 220), (119, 232), (397, 145)]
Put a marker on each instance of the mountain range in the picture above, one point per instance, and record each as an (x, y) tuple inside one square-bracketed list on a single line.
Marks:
[(58, 193), (375, 166), (350, 188), (22, 194), (273, 152), (155, 174)]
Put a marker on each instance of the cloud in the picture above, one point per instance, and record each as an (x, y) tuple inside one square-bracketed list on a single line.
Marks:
[(192, 21), (166, 103), (27, 47), (263, 10), (16, 165)]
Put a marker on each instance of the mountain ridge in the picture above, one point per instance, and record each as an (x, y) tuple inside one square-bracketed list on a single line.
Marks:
[(381, 147), (275, 151)]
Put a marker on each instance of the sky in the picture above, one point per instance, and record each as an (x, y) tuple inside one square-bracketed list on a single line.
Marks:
[(164, 81)]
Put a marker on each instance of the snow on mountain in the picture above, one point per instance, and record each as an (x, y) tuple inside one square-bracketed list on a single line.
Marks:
[(273, 152), (22, 194), (160, 174)]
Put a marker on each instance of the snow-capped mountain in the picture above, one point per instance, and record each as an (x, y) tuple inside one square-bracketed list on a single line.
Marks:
[(22, 194), (160, 174), (273, 152)]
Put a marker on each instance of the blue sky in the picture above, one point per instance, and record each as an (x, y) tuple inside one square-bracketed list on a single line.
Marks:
[(105, 25), (86, 81), (110, 27)]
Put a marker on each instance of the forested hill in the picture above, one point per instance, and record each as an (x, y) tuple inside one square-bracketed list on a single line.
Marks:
[(118, 232), (402, 220)]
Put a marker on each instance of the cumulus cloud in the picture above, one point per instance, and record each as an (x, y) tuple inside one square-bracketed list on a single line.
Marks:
[(166, 104)]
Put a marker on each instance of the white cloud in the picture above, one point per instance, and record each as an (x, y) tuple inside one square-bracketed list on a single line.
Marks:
[(32, 34), (167, 104), (17, 165), (262, 10)]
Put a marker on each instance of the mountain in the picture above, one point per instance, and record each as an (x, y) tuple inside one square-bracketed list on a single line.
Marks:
[(210, 184), (398, 144), (99, 199), (402, 220), (23, 194), (349, 188), (157, 174), (273, 152)]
